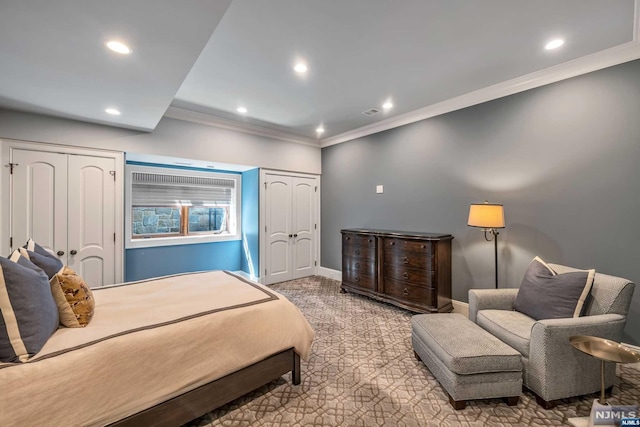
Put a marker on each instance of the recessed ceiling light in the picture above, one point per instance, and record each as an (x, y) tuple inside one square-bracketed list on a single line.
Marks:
[(118, 47), (300, 68), (241, 110), (320, 129), (387, 105), (112, 111), (554, 44)]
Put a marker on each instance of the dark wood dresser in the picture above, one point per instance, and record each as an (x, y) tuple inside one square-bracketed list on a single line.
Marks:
[(410, 270)]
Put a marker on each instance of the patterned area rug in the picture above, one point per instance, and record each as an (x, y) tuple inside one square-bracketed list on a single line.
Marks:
[(362, 372)]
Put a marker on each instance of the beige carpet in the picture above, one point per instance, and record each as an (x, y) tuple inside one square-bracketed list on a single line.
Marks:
[(362, 372)]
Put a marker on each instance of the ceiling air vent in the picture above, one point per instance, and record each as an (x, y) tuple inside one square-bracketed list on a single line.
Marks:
[(371, 112)]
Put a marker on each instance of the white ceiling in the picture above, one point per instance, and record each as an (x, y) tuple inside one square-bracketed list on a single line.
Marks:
[(426, 56), (53, 59)]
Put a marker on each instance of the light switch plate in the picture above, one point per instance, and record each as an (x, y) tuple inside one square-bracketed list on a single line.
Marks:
[(379, 189)]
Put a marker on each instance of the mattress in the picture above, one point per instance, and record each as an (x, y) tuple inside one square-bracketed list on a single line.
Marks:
[(150, 341)]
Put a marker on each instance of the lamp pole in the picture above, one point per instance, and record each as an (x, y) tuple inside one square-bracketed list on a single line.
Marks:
[(495, 253)]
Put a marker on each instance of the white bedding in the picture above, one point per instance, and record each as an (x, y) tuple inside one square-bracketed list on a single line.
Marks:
[(149, 342)]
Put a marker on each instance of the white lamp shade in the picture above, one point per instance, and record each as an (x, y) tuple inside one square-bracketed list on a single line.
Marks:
[(486, 215)]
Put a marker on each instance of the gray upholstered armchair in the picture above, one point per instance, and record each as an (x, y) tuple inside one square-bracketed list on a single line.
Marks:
[(552, 368)]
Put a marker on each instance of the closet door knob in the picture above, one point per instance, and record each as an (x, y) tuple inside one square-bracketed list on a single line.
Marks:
[(295, 235), (73, 252), (290, 235), (60, 253)]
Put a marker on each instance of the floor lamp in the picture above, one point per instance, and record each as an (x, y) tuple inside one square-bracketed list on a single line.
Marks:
[(490, 217)]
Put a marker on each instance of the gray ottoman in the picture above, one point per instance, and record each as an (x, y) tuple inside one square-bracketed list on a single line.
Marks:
[(469, 362)]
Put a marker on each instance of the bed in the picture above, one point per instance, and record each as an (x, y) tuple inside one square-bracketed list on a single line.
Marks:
[(162, 351)]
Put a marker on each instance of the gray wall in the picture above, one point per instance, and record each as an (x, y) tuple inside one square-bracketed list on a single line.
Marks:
[(563, 159)]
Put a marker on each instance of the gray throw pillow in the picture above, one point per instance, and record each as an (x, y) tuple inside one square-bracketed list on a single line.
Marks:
[(545, 294), (28, 313), (34, 247), (50, 264)]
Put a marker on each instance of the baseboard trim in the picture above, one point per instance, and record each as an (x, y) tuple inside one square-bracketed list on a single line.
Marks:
[(246, 275), (460, 307), (330, 273)]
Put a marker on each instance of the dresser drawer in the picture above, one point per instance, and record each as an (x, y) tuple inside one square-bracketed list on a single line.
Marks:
[(414, 276), (405, 292), (409, 259), (350, 239), (358, 279), (405, 245), (359, 265), (359, 252)]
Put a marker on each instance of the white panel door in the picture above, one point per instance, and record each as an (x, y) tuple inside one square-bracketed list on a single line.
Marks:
[(66, 203), (290, 216), (91, 216), (303, 248), (39, 200), (279, 230)]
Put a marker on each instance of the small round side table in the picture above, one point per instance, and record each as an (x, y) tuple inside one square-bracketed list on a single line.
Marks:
[(606, 351)]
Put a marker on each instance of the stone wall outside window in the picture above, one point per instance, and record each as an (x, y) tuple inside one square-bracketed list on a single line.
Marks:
[(162, 220), (156, 221)]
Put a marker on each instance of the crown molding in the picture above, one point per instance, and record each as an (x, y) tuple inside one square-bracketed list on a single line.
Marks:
[(596, 61), (607, 58), (209, 120)]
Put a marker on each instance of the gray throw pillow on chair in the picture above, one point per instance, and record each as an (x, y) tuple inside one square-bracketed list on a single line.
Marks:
[(545, 294)]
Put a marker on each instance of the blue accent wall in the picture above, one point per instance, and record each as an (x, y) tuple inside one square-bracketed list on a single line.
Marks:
[(142, 263), (250, 222)]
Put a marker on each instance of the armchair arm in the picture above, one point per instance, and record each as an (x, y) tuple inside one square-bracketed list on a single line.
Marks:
[(557, 369), (490, 299)]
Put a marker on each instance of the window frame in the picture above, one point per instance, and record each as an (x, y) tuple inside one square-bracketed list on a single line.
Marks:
[(180, 239)]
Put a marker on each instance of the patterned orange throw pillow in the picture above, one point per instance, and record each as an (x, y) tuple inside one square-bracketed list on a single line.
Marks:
[(73, 297)]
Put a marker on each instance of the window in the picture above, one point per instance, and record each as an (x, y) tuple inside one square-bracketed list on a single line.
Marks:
[(172, 206)]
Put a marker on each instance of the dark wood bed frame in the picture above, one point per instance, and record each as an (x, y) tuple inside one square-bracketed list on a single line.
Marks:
[(195, 403)]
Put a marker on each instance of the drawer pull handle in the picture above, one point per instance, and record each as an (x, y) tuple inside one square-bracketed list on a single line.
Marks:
[(357, 265), (357, 251), (405, 275), (405, 260), (405, 292), (424, 247), (392, 243), (370, 240), (348, 238), (357, 278)]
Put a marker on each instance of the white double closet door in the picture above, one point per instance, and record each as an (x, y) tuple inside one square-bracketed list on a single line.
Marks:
[(66, 203), (290, 226)]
